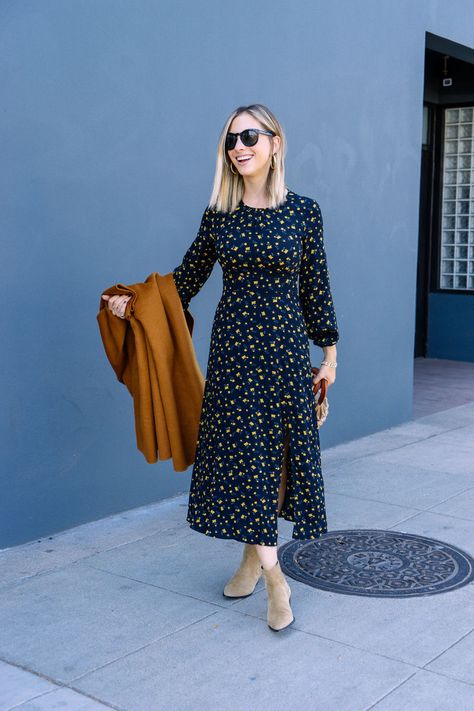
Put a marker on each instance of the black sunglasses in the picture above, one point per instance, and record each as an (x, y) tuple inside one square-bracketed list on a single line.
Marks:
[(249, 137)]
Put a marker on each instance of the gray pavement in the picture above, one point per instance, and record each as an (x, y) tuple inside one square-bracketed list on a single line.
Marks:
[(128, 612)]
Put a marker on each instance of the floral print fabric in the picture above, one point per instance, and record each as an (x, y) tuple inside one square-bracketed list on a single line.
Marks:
[(276, 297)]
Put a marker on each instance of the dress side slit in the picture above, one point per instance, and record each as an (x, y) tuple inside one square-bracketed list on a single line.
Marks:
[(284, 468)]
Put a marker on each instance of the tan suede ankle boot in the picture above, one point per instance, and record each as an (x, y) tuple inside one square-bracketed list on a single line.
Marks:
[(279, 614), (244, 580)]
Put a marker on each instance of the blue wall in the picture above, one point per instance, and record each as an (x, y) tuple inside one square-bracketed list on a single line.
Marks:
[(451, 326), (110, 116)]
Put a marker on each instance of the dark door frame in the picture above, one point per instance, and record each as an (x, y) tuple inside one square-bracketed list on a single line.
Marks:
[(425, 232)]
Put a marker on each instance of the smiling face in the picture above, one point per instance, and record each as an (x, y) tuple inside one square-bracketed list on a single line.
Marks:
[(252, 160)]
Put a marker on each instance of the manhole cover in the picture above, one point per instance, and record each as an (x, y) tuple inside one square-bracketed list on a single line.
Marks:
[(378, 563)]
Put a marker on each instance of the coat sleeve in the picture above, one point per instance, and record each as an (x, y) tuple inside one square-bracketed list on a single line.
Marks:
[(198, 262), (314, 285)]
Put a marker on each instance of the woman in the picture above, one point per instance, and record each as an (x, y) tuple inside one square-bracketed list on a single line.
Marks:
[(258, 452)]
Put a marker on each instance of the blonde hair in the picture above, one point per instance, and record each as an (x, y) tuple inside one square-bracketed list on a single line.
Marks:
[(228, 188)]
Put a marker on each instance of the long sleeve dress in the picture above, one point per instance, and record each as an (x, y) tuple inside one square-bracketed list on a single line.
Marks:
[(276, 297)]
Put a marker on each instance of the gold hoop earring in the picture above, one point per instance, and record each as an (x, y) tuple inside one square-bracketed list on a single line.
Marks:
[(231, 165), (273, 162)]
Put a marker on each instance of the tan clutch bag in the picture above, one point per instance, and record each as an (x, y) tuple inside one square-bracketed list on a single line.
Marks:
[(321, 402)]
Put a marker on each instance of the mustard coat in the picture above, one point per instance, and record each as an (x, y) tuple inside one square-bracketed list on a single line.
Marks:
[(152, 353)]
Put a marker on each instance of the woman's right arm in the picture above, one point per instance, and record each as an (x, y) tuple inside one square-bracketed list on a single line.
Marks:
[(117, 303), (198, 262), (190, 275)]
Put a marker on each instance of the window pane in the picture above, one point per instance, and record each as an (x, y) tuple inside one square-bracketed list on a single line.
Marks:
[(457, 219)]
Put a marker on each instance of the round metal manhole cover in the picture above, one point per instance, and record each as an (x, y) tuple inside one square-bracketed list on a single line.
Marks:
[(377, 563)]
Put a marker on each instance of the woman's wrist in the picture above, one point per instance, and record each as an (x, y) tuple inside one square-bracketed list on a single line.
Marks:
[(330, 356)]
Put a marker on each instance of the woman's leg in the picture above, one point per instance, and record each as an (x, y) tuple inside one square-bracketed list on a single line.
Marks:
[(279, 612), (268, 554)]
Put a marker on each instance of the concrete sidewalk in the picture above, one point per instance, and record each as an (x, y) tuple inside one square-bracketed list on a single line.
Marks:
[(128, 612)]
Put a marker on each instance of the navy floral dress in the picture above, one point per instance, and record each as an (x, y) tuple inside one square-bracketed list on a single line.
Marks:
[(258, 390)]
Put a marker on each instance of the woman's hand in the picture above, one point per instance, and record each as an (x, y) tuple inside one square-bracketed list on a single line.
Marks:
[(117, 303), (327, 372)]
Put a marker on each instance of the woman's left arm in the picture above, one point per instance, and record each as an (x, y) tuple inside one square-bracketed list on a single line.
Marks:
[(328, 371), (315, 293)]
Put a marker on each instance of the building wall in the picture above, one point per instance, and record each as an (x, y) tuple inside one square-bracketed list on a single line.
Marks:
[(109, 122), (451, 326)]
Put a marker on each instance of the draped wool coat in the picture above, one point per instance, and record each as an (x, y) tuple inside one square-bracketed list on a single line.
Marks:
[(152, 354)]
